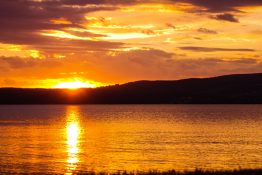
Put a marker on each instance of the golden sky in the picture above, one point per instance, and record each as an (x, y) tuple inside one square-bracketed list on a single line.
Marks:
[(48, 43)]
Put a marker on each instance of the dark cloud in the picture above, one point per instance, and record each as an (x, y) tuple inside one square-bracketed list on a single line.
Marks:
[(213, 49), (99, 2), (246, 61), (170, 25), (225, 17), (222, 5), (207, 31), (148, 32), (209, 5), (23, 21), (156, 64), (236, 61), (21, 63), (151, 54)]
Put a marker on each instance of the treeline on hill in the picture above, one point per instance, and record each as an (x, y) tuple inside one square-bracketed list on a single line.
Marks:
[(237, 89)]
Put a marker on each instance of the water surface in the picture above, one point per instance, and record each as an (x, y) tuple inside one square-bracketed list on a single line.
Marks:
[(64, 139)]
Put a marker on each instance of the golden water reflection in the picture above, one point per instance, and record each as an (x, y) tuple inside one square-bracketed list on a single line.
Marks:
[(59, 139), (73, 132)]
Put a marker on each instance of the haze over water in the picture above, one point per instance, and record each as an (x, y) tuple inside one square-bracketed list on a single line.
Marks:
[(64, 139)]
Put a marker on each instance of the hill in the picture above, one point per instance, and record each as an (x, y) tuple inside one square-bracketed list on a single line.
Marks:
[(228, 89)]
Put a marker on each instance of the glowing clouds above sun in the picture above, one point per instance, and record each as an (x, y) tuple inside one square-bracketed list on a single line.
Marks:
[(78, 44), (76, 84)]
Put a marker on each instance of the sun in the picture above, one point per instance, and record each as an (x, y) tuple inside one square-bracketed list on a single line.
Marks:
[(76, 84)]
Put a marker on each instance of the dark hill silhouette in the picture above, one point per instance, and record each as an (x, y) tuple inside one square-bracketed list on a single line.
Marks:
[(229, 89)]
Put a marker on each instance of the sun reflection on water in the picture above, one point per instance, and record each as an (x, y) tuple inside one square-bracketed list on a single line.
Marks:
[(73, 132)]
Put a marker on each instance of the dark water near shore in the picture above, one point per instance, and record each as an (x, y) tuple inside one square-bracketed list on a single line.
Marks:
[(62, 139)]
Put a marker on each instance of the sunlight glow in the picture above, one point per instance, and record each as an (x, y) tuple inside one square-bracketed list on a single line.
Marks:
[(76, 84)]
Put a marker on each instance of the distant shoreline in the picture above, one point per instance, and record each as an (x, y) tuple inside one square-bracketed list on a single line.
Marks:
[(228, 89)]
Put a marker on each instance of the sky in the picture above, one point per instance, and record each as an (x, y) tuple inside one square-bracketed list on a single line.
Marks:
[(49, 43)]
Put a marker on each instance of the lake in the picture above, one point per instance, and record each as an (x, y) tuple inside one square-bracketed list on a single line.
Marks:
[(66, 139)]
